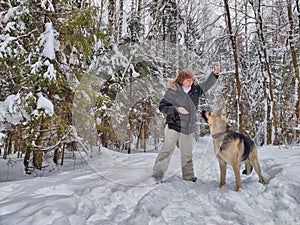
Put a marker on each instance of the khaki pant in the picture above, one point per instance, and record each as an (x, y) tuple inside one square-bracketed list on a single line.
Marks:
[(186, 149)]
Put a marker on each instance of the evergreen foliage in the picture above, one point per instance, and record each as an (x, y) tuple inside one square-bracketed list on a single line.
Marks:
[(61, 59)]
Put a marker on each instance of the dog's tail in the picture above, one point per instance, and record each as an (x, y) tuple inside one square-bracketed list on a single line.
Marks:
[(248, 168)]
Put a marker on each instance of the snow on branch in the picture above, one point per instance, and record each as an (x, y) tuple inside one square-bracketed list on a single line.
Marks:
[(46, 104), (48, 41), (51, 72), (45, 3), (11, 110), (4, 44), (4, 17)]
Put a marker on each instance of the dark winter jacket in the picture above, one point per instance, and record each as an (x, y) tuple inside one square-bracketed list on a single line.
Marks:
[(184, 123)]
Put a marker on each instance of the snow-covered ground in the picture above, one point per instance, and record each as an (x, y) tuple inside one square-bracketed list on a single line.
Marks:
[(115, 188)]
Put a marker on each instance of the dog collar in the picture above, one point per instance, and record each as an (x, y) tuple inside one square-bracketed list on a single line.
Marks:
[(218, 135)]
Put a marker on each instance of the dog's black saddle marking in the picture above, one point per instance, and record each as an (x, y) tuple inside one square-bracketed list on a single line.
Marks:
[(232, 135)]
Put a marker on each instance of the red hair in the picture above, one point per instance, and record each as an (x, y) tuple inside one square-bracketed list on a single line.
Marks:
[(183, 75)]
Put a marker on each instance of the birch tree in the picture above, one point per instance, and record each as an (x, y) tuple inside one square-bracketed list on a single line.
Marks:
[(266, 69), (232, 36), (120, 19), (112, 17), (292, 38)]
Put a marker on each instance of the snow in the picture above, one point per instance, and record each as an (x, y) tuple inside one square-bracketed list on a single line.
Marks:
[(51, 72), (10, 13), (48, 41), (44, 4), (134, 73), (4, 47), (46, 104), (10, 110), (116, 188), (10, 27)]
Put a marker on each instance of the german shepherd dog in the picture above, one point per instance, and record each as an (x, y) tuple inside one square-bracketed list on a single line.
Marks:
[(231, 147)]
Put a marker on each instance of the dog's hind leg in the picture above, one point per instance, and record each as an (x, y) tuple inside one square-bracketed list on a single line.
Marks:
[(248, 168), (255, 163), (258, 171), (222, 165)]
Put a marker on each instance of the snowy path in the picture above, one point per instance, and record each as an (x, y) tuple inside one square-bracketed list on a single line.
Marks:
[(84, 197)]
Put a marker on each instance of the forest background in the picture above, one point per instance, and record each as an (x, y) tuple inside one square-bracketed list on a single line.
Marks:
[(64, 64)]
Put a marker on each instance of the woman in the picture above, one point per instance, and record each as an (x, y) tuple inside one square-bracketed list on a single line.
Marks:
[(180, 105)]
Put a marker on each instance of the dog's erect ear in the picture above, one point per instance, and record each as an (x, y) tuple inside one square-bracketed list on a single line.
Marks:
[(204, 115), (226, 115), (219, 112)]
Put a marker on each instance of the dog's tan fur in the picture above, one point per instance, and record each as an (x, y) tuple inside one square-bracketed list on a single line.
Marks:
[(231, 147)]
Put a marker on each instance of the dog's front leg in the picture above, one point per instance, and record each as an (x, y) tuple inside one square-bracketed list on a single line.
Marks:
[(236, 169), (222, 165)]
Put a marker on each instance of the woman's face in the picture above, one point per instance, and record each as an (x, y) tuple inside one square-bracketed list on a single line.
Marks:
[(187, 83)]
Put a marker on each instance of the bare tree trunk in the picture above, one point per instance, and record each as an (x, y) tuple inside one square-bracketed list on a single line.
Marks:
[(38, 154), (267, 128), (27, 156), (274, 131), (144, 135), (56, 156), (294, 60), (237, 78), (130, 135), (120, 28), (27, 159), (111, 16), (139, 11), (139, 7), (7, 145), (177, 54), (298, 11), (101, 10), (20, 141), (37, 159), (63, 154), (187, 34), (268, 69)]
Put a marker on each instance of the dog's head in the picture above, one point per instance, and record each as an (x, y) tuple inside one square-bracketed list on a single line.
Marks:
[(217, 121)]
